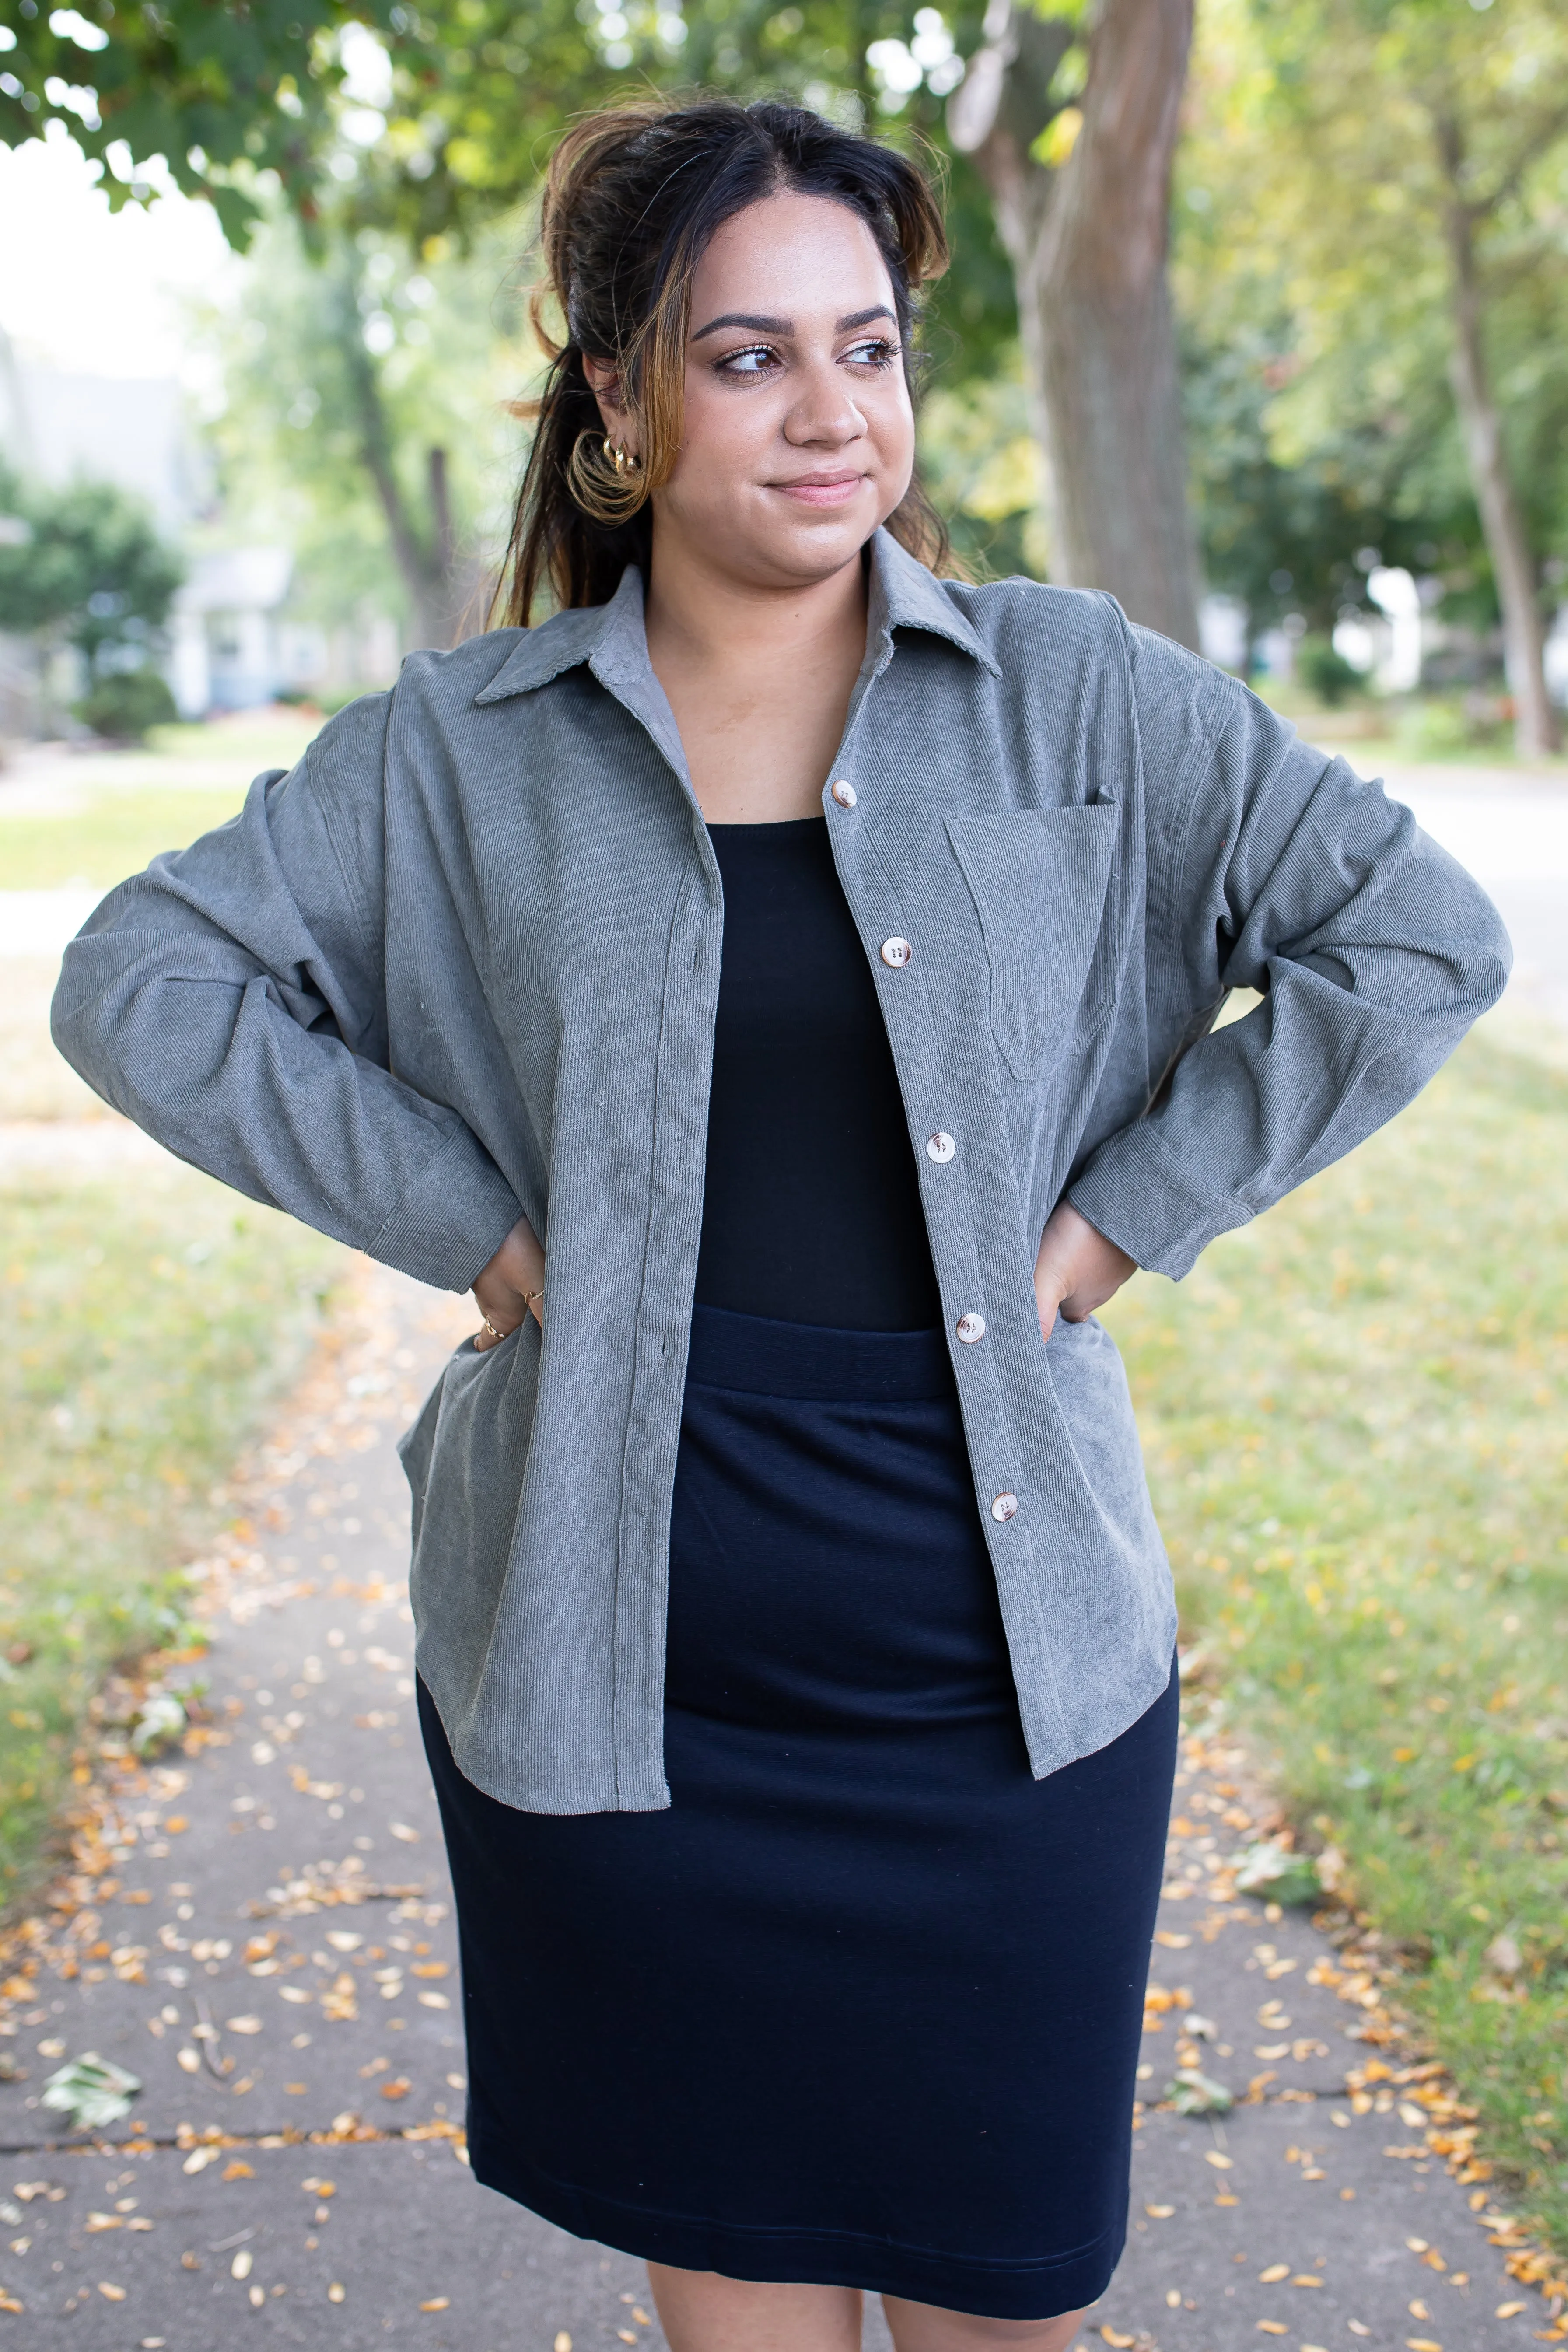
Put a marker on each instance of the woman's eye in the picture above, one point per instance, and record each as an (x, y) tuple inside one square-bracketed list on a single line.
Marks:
[(876, 352), (754, 360)]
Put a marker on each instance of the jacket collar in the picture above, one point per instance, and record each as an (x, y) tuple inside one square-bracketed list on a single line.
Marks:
[(568, 639), (905, 596), (611, 638)]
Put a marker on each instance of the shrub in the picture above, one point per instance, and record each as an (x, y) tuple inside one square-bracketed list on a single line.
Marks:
[(126, 703), (1325, 673)]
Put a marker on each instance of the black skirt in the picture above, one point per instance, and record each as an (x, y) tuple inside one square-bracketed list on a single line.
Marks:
[(863, 2006)]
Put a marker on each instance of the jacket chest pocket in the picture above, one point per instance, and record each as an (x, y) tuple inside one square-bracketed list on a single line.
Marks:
[(1039, 879)]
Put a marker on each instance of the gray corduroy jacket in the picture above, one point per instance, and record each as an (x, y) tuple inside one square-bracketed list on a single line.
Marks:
[(462, 962)]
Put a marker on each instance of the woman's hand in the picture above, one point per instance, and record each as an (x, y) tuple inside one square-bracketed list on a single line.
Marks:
[(511, 1286), (1077, 1269)]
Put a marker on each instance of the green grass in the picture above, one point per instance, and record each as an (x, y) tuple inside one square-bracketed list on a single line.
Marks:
[(110, 834), (143, 1328), (256, 739), (1356, 1422)]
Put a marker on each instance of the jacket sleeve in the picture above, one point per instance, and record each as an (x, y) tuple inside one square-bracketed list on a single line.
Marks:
[(232, 1002), (1273, 866)]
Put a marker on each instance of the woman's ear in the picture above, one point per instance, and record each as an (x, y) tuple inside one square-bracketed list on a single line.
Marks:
[(605, 384)]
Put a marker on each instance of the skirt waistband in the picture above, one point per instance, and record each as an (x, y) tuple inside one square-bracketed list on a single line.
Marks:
[(763, 1358)]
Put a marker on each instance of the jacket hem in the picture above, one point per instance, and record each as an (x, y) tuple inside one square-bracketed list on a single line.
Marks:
[(521, 1795), (1147, 1690)]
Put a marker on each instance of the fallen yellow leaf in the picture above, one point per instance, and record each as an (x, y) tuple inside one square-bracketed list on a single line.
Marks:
[(1172, 1944), (1509, 2310), (1417, 2310), (1115, 2339), (1220, 2163), (1273, 2327), (1274, 2274), (111, 2294), (438, 2302), (238, 2171), (1159, 2212), (1305, 2278), (336, 2292), (563, 2343), (9, 2302)]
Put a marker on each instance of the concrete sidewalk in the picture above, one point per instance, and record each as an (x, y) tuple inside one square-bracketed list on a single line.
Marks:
[(260, 1928)]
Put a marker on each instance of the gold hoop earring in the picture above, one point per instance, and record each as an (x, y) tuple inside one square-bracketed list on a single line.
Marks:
[(623, 459)]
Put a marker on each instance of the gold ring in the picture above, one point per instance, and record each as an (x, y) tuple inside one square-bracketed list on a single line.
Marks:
[(530, 1296), (490, 1327)]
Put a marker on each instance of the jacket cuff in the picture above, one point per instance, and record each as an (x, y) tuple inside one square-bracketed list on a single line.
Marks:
[(448, 1227), (1150, 1203)]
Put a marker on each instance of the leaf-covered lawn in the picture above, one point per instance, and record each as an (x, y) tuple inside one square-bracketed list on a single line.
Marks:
[(1357, 1424), (144, 1325)]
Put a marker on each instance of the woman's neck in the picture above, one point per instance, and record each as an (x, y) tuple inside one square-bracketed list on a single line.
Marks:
[(759, 680), (701, 618)]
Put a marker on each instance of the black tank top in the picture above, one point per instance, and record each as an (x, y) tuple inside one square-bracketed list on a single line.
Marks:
[(812, 1211)]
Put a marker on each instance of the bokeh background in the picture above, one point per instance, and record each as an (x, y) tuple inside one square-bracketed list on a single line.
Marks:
[(1259, 321)]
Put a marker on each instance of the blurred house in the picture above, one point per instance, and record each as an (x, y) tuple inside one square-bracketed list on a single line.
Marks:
[(230, 650), (233, 643), (235, 647), (1556, 662)]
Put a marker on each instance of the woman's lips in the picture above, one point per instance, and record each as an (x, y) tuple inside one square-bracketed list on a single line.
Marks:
[(822, 489)]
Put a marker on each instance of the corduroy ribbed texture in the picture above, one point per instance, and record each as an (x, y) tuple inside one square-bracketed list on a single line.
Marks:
[(462, 962)]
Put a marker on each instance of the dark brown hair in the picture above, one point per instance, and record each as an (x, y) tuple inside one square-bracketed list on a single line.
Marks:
[(633, 196)]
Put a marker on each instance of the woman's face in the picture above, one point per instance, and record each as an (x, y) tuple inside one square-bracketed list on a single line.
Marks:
[(799, 437)]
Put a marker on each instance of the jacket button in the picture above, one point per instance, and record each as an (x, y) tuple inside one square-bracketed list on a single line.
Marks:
[(1004, 1507), (940, 1148), (970, 1328), (844, 794), (896, 952)]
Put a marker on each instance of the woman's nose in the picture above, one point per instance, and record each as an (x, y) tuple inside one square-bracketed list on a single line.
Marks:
[(824, 410)]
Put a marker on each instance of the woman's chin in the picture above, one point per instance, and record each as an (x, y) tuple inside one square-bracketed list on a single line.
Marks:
[(793, 549)]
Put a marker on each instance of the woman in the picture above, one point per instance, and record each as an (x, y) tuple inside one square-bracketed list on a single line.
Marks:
[(744, 980)]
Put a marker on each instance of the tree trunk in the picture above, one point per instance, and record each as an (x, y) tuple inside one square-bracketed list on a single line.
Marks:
[(1537, 731), (1088, 243), (426, 563)]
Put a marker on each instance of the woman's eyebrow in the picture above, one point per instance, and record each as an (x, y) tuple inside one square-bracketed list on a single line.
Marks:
[(760, 326), (744, 319)]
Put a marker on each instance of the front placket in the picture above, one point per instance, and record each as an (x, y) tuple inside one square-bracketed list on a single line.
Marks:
[(662, 1320), (959, 1132)]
